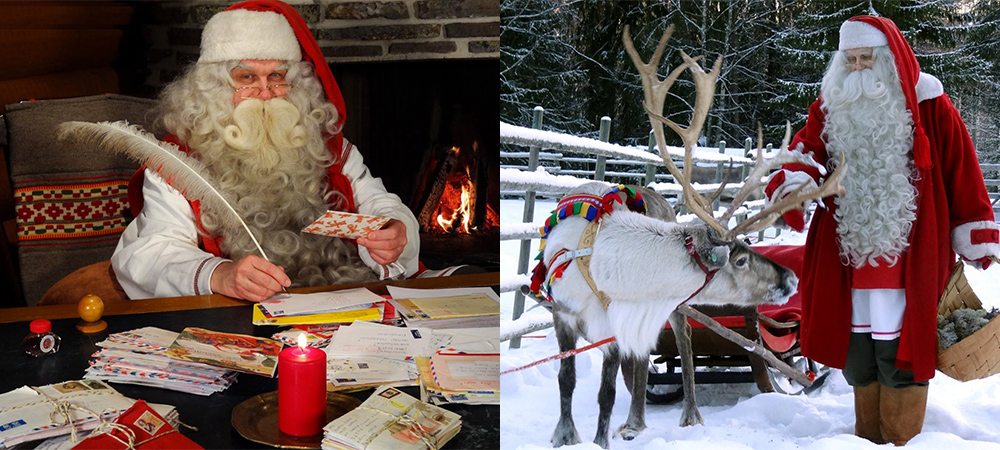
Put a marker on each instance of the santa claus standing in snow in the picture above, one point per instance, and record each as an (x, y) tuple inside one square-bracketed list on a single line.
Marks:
[(879, 256)]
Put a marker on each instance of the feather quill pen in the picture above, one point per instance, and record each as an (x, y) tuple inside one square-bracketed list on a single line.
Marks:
[(185, 173)]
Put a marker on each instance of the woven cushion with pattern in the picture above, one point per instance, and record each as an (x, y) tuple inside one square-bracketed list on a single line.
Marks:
[(70, 199)]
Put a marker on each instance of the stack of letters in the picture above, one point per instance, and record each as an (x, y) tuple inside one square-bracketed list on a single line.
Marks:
[(390, 419), (62, 409), (336, 307), (367, 354), (478, 310), (140, 357)]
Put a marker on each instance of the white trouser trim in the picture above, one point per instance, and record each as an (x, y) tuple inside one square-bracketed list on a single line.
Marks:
[(878, 311)]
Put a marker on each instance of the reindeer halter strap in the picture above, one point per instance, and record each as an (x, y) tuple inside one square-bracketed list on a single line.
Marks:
[(709, 274)]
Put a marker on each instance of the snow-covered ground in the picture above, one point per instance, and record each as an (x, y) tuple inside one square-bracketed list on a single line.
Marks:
[(737, 416)]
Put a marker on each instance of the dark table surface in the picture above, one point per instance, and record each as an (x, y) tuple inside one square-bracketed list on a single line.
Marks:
[(211, 415)]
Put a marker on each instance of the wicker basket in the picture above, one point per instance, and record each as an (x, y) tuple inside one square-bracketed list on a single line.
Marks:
[(977, 356)]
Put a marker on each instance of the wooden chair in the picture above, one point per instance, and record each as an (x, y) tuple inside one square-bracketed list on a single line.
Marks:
[(70, 200)]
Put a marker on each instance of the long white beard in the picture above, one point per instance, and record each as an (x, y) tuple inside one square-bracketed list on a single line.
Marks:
[(867, 121), (272, 164)]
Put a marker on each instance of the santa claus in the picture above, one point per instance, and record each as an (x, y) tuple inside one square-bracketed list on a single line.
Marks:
[(879, 256), (263, 113)]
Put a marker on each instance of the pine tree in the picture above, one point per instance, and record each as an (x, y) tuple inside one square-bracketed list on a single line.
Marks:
[(539, 65)]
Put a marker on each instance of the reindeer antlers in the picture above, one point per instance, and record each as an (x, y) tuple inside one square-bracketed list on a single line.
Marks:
[(655, 93)]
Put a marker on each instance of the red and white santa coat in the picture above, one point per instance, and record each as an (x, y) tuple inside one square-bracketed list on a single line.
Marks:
[(953, 214)]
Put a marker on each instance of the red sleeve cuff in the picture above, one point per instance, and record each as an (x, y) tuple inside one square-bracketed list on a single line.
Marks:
[(985, 236)]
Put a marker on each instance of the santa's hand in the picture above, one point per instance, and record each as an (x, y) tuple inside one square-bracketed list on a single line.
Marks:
[(782, 184), (387, 244), (977, 242), (981, 263), (251, 278)]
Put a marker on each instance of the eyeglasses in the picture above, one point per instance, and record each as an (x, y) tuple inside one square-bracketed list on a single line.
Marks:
[(867, 60), (277, 90)]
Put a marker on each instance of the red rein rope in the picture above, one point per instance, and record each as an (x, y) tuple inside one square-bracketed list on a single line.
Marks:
[(562, 355)]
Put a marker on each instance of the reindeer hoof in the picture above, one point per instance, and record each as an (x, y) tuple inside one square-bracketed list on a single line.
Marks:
[(628, 432), (689, 419), (563, 436)]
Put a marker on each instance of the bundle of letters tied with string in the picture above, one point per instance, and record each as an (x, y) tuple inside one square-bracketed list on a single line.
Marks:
[(392, 419), (79, 414)]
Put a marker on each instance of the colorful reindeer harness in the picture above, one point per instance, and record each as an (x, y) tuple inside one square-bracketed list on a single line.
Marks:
[(594, 209)]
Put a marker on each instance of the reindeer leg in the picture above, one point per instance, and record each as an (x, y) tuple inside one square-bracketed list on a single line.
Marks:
[(682, 335), (606, 394), (636, 372), (565, 432)]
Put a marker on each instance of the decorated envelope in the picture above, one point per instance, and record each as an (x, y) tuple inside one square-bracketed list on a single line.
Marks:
[(345, 225)]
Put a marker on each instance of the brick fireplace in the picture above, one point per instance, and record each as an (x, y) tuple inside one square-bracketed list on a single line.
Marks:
[(417, 79)]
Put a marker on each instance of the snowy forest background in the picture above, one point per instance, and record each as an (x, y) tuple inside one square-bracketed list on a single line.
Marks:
[(567, 56)]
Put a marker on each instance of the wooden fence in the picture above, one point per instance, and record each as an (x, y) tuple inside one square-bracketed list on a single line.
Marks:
[(555, 164)]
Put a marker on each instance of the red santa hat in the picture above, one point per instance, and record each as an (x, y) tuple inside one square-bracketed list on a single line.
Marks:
[(855, 33), (270, 29), (870, 31), (267, 29)]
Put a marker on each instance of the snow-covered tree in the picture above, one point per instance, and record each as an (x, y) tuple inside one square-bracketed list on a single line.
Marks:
[(568, 56), (539, 63)]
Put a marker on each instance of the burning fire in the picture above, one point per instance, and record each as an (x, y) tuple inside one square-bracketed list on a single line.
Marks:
[(457, 201), (451, 204)]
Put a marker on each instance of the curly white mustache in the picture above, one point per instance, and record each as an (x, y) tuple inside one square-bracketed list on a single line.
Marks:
[(262, 129)]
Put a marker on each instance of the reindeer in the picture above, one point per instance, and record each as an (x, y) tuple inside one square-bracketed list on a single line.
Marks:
[(626, 273)]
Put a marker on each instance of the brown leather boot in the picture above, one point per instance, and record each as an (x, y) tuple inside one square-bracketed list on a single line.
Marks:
[(866, 413), (902, 413)]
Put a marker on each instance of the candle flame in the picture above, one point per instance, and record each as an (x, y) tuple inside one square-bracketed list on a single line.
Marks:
[(302, 341)]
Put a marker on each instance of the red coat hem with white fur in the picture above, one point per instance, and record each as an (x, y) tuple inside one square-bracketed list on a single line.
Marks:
[(949, 193)]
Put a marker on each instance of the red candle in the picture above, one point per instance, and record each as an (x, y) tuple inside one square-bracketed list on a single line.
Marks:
[(301, 390)]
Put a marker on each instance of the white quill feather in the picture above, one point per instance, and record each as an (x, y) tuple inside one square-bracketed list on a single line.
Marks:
[(185, 173)]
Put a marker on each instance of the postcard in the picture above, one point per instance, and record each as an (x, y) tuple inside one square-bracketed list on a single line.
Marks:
[(372, 339), (345, 225), (240, 352), (466, 372), (368, 369)]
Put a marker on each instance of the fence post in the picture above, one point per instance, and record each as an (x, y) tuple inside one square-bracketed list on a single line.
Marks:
[(528, 217), (602, 160), (777, 231), (650, 169), (718, 175), (747, 149)]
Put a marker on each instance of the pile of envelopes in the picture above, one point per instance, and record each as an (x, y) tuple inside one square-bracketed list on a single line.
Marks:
[(140, 357)]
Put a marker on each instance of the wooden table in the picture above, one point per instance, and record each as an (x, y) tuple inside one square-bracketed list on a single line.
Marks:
[(218, 301), (210, 414)]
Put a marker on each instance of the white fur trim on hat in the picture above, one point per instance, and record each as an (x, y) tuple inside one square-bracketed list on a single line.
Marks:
[(855, 34), (242, 34), (928, 87)]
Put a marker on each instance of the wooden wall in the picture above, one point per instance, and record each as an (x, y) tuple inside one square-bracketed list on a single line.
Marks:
[(58, 49)]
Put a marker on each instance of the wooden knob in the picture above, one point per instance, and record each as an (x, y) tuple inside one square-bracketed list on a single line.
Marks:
[(91, 309)]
